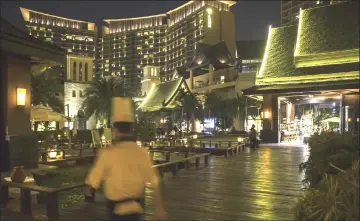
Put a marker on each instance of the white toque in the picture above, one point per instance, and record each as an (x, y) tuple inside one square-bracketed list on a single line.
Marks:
[(122, 110)]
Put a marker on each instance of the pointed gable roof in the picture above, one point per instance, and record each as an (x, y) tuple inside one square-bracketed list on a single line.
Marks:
[(162, 96), (217, 55)]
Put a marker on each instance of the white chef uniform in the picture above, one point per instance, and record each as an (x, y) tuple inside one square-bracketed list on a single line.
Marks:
[(124, 168)]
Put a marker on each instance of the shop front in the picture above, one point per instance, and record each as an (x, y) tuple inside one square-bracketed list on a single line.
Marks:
[(309, 79)]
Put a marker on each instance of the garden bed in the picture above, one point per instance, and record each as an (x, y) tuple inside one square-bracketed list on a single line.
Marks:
[(68, 176)]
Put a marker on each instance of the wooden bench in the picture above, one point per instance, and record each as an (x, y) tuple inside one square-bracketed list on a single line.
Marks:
[(173, 166)]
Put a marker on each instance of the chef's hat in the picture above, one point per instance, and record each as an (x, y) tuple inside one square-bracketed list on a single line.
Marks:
[(122, 110)]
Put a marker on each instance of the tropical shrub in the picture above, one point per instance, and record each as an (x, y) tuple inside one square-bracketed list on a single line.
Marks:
[(335, 198), (144, 127), (329, 148)]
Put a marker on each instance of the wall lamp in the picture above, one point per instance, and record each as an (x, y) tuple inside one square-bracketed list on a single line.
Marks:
[(20, 97)]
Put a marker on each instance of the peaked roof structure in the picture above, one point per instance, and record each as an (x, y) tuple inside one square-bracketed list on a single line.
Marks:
[(323, 48), (162, 96), (217, 55)]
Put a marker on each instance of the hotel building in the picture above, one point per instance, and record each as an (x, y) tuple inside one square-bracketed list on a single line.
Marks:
[(167, 40), (290, 9), (77, 37)]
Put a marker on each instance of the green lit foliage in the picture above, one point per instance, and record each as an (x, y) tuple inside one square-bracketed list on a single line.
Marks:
[(44, 88), (98, 97), (335, 198), (323, 114), (329, 148), (144, 127)]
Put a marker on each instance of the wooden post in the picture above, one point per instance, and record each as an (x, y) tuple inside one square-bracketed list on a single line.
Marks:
[(4, 194), (243, 147), (52, 205), (167, 156), (80, 154), (219, 144), (229, 145), (203, 145), (44, 156), (175, 168), (25, 201), (63, 154), (226, 152), (216, 146), (206, 160), (197, 162)]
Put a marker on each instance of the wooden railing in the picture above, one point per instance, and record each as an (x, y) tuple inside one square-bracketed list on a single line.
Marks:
[(52, 194)]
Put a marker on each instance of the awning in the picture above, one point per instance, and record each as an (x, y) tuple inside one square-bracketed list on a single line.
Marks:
[(43, 113), (301, 88)]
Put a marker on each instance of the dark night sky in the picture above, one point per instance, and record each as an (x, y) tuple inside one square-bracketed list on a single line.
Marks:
[(252, 17)]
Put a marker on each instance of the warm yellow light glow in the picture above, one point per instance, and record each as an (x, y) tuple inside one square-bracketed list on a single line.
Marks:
[(209, 11), (240, 139), (21, 96), (298, 35), (308, 78), (266, 52), (138, 143), (195, 136), (52, 154), (266, 114)]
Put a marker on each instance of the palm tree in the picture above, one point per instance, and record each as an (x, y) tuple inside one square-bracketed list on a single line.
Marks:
[(191, 107), (98, 97)]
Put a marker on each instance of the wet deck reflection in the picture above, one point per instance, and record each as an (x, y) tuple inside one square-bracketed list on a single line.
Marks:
[(255, 185)]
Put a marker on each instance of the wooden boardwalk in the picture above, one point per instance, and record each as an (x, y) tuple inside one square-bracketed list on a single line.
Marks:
[(256, 185)]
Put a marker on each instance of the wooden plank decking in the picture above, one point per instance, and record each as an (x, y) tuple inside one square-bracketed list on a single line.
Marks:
[(256, 185)]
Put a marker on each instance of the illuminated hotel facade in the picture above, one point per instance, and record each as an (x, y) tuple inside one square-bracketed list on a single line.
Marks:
[(290, 9), (166, 40), (77, 37)]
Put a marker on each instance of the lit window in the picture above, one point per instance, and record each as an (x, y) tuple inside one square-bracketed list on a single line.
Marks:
[(74, 71)]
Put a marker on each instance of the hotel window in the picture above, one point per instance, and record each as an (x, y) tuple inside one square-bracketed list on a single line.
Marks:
[(80, 71), (81, 93), (86, 72), (74, 71), (73, 93)]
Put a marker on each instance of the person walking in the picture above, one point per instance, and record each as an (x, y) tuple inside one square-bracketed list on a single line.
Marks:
[(125, 169), (252, 136)]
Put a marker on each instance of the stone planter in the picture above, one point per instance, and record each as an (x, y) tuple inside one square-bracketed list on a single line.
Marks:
[(18, 174)]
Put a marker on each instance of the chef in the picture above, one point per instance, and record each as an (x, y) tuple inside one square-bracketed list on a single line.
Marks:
[(125, 169)]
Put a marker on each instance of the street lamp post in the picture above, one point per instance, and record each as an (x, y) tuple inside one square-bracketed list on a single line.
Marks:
[(68, 118)]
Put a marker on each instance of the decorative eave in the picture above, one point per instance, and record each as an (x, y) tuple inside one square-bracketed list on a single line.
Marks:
[(335, 57), (16, 41), (354, 75)]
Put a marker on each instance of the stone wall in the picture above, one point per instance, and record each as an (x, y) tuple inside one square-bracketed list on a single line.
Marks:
[(75, 102)]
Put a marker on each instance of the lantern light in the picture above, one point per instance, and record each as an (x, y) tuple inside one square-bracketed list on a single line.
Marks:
[(21, 96)]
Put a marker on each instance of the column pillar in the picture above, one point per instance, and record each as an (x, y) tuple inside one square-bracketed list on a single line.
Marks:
[(270, 132), (211, 74), (191, 86)]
